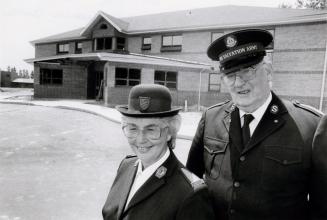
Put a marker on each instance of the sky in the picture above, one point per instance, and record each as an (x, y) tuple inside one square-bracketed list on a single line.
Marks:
[(25, 21)]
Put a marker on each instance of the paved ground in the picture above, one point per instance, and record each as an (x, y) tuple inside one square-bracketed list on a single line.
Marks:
[(57, 163), (25, 96)]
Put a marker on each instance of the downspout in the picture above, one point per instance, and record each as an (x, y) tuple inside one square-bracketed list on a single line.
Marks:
[(199, 96), (322, 90)]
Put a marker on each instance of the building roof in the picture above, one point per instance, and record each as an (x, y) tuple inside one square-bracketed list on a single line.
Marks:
[(220, 17), (23, 80), (134, 58)]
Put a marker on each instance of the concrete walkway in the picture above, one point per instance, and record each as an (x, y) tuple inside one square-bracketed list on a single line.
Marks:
[(25, 97)]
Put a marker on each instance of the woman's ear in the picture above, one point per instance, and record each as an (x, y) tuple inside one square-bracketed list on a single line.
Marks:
[(169, 137)]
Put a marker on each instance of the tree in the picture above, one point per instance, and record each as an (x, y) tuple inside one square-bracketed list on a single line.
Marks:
[(284, 5), (314, 4), (13, 70)]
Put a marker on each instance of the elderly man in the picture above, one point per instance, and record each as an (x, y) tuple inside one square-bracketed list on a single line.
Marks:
[(256, 152), (154, 185)]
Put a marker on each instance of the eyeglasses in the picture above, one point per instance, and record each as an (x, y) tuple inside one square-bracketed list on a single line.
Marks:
[(245, 74), (152, 132)]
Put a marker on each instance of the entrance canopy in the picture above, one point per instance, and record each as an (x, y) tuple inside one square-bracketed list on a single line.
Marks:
[(130, 58)]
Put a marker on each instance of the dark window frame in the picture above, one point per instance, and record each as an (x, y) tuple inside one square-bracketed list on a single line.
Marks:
[(148, 45), (129, 78), (171, 47), (218, 84), (270, 47), (164, 81), (60, 51), (77, 49), (220, 33), (52, 77), (104, 44), (103, 26), (120, 45)]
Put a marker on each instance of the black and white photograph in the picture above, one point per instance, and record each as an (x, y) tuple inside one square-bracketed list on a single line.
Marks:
[(163, 110)]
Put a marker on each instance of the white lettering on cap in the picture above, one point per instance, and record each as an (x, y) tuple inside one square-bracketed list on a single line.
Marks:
[(239, 51)]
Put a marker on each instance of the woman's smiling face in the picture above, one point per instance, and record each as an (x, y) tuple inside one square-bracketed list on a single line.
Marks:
[(147, 137)]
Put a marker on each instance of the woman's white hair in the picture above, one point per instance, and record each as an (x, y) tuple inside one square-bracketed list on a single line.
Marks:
[(174, 124)]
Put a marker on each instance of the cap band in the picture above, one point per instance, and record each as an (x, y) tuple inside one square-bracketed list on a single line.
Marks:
[(240, 51)]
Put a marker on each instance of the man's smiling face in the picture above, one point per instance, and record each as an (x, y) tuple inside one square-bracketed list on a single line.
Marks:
[(250, 95)]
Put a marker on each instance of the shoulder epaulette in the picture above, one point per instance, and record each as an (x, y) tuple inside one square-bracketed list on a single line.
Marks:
[(308, 108), (130, 156), (193, 180), (219, 104)]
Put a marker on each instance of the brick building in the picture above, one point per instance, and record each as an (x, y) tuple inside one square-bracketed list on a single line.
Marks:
[(170, 49), (6, 78)]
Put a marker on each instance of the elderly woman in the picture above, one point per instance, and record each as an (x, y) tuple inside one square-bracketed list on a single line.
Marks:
[(154, 184)]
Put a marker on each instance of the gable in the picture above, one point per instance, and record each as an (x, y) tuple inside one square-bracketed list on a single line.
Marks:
[(103, 29)]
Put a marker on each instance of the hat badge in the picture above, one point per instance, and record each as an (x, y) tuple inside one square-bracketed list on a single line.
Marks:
[(144, 103), (161, 171), (230, 41), (274, 109)]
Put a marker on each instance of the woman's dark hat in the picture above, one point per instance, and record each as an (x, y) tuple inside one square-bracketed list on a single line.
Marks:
[(148, 100), (240, 49)]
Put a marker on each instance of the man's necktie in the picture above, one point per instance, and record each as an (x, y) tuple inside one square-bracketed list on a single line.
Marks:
[(246, 129)]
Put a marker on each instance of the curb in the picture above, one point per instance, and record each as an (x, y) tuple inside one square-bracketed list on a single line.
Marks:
[(179, 136)]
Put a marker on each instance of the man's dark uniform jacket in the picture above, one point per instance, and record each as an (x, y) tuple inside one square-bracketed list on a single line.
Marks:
[(269, 178), (174, 195)]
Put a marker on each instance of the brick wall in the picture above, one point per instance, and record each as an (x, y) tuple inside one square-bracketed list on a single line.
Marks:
[(74, 82), (298, 61), (45, 50)]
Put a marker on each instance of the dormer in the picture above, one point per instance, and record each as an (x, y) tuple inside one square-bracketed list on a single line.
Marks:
[(107, 33)]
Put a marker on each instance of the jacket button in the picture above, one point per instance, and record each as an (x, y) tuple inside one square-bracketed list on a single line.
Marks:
[(242, 158), (236, 184)]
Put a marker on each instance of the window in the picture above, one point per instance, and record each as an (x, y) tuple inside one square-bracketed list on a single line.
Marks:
[(104, 43), (216, 35), (63, 48), (271, 45), (50, 76), (166, 78), (172, 43), (120, 43), (146, 45), (214, 82), (127, 77), (103, 26), (78, 47)]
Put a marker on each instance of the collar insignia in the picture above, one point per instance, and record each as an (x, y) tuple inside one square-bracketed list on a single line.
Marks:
[(274, 109), (232, 108), (230, 41), (144, 103), (161, 171)]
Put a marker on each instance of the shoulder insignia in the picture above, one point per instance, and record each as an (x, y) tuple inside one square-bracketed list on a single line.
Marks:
[(161, 172), (194, 181), (308, 108), (219, 104)]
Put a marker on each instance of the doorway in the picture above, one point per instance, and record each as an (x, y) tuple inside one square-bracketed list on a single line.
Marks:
[(94, 82)]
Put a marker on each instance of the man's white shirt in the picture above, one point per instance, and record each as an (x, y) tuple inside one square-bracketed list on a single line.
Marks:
[(143, 175), (257, 114)]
